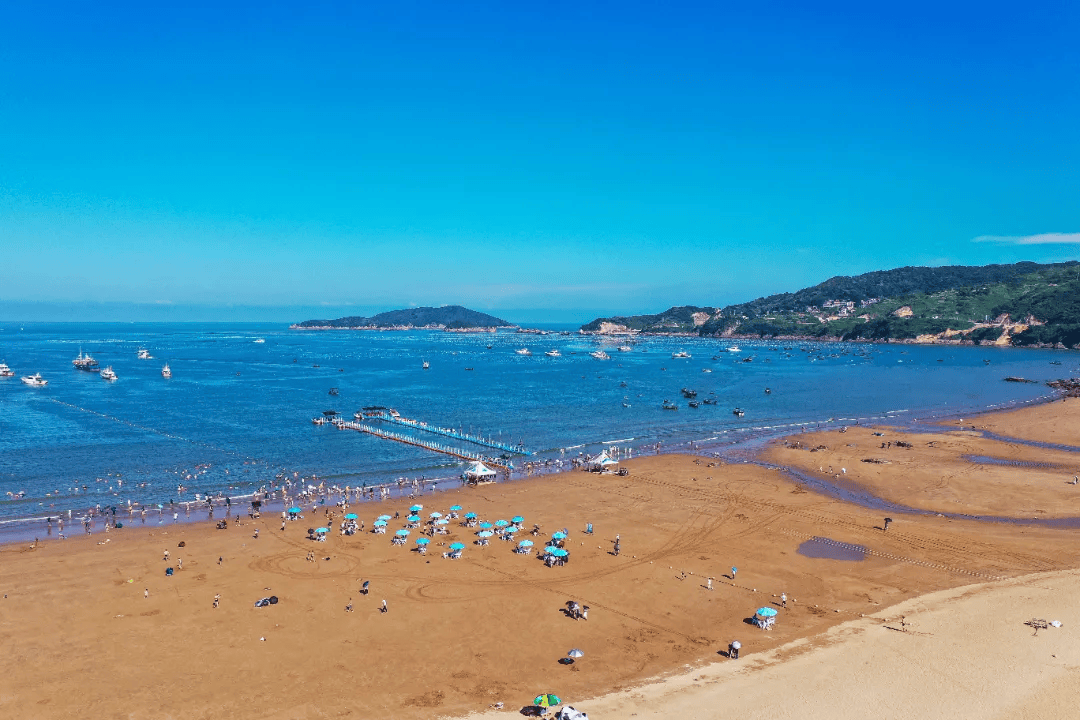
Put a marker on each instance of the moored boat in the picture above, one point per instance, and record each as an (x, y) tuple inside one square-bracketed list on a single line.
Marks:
[(85, 362), (668, 405), (35, 380), (553, 353), (624, 348), (108, 374), (144, 354), (523, 351), (600, 355), (166, 372), (5, 371), (680, 354)]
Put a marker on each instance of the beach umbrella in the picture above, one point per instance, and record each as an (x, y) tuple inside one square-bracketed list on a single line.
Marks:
[(525, 543), (484, 533), (294, 510), (517, 519), (350, 516), (559, 536), (486, 525), (550, 550), (559, 552), (435, 515), (455, 508), (423, 541), (402, 532), (413, 518), (547, 700), (417, 508), (575, 653), (502, 523), (457, 546), (383, 517), (766, 611), (379, 523), (322, 530), (470, 515), (442, 521)]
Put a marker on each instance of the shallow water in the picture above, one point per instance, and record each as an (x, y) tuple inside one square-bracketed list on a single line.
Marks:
[(237, 414), (829, 549)]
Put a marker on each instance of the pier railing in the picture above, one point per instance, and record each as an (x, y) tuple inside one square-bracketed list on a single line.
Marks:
[(450, 433), (432, 446)]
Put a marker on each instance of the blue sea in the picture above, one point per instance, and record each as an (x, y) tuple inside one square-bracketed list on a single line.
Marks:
[(236, 414)]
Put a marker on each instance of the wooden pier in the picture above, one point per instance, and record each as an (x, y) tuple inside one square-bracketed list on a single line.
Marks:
[(385, 416), (433, 447)]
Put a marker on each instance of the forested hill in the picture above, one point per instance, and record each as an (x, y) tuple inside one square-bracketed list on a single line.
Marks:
[(452, 317), (1022, 304)]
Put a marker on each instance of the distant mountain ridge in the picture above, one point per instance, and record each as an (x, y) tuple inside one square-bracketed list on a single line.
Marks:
[(1021, 304), (449, 317)]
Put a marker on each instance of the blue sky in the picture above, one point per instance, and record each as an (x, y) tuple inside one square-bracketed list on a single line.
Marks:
[(556, 160)]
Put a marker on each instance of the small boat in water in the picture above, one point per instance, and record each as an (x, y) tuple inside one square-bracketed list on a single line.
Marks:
[(734, 348), (737, 412), (85, 362), (553, 353), (5, 371), (600, 355), (166, 372), (35, 380), (427, 365), (333, 391), (258, 340), (624, 348), (523, 351), (668, 405), (688, 393), (694, 403), (709, 401), (680, 354), (144, 354), (108, 374)]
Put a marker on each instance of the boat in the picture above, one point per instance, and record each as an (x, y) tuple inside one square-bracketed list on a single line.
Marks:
[(706, 370), (318, 421), (523, 351), (680, 354), (600, 355), (5, 371), (258, 340), (688, 393), (668, 405), (737, 412), (734, 348), (108, 374), (85, 362), (166, 372), (553, 353), (624, 348), (427, 365), (35, 380), (144, 354), (709, 401), (333, 391), (693, 403), (768, 391)]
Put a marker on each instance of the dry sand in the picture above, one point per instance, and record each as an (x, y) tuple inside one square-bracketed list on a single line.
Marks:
[(81, 640)]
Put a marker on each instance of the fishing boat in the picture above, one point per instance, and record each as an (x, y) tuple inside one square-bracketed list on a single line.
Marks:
[(5, 371), (600, 355), (734, 348), (624, 348), (427, 365), (688, 393), (258, 340), (553, 353), (693, 403), (166, 372), (108, 374), (144, 354), (710, 401), (333, 391), (679, 355), (35, 380), (523, 351), (85, 362), (706, 370), (668, 405), (737, 412)]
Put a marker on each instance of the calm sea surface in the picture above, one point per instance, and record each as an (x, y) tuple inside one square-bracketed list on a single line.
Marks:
[(237, 412)]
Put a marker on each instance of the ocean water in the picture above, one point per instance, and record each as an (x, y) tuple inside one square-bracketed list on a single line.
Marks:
[(237, 413)]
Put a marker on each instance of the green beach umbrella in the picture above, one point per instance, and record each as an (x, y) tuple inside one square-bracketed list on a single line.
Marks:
[(545, 701)]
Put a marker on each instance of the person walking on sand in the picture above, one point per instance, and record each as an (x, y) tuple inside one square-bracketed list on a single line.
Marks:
[(733, 571), (616, 547), (733, 650), (146, 592), (384, 609), (217, 599), (709, 581), (783, 600), (166, 558)]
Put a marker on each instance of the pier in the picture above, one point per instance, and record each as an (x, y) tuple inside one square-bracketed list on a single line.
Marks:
[(432, 446), (385, 416)]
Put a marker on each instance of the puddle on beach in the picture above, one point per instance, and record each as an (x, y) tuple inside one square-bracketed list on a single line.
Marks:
[(987, 460), (828, 549)]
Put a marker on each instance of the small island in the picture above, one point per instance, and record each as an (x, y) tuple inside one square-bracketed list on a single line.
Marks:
[(452, 318)]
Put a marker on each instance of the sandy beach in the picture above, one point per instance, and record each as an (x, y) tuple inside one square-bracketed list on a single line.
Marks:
[(92, 625)]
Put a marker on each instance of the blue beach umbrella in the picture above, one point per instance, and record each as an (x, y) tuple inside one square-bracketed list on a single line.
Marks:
[(350, 516), (486, 525), (379, 523), (558, 536), (402, 532), (525, 543), (484, 533), (435, 515), (517, 519), (766, 611), (559, 552), (417, 508), (423, 541), (322, 530), (550, 550), (457, 546), (470, 515), (443, 521), (294, 510), (383, 517), (502, 523), (413, 518), (455, 508)]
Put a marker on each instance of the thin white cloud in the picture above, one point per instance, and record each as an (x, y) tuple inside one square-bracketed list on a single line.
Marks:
[(1042, 239)]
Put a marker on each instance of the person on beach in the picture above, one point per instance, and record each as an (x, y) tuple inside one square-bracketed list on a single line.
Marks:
[(365, 589), (384, 609), (783, 600), (146, 592), (166, 558), (616, 548), (709, 581), (733, 571), (217, 599), (584, 612), (733, 650)]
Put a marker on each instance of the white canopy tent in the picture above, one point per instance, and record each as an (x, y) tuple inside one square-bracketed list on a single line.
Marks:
[(602, 461), (478, 472)]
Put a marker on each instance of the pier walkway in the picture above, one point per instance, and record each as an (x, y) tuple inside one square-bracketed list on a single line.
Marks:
[(449, 432), (432, 446)]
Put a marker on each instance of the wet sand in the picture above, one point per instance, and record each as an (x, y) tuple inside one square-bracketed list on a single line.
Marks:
[(460, 635)]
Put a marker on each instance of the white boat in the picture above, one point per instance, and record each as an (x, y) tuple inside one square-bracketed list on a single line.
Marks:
[(624, 348), (523, 351), (166, 372), (5, 371), (680, 354), (35, 380), (85, 362), (553, 353), (258, 340), (600, 355), (144, 354), (734, 348), (108, 374), (427, 365)]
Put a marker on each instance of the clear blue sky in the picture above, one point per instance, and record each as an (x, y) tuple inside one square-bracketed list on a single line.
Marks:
[(563, 158)]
